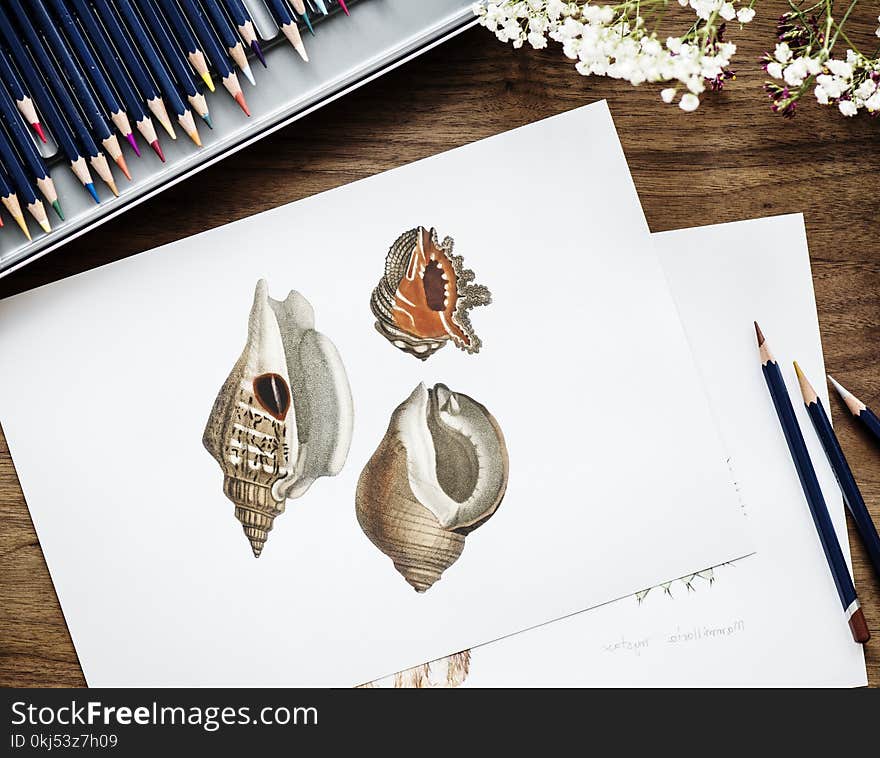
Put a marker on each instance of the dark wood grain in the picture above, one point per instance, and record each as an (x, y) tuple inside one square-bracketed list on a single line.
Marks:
[(732, 159)]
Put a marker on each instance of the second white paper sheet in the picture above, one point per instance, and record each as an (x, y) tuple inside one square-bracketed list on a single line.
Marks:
[(617, 479), (773, 618)]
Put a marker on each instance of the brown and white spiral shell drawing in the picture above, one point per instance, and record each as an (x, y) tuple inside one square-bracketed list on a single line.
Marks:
[(283, 418), (439, 473), (424, 298)]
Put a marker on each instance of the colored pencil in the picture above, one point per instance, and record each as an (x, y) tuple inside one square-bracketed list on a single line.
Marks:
[(10, 202), (245, 26), (812, 492), (305, 15), (344, 7), (96, 75), (228, 37), (299, 6), (287, 23), (134, 64), (89, 107), (21, 182), (78, 150), (321, 6), (159, 69), (27, 150), (858, 409), (216, 54), (120, 77), (22, 100), (187, 40), (175, 60), (852, 496)]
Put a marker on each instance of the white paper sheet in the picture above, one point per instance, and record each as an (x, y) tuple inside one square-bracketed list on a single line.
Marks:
[(109, 377), (770, 619)]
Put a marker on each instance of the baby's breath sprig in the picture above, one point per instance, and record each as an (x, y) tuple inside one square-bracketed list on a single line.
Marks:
[(621, 40), (803, 60)]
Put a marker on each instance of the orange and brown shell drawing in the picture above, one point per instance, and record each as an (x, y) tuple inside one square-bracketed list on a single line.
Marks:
[(424, 298)]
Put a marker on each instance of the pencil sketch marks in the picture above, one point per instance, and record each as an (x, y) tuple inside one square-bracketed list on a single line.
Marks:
[(424, 298), (440, 472), (284, 416)]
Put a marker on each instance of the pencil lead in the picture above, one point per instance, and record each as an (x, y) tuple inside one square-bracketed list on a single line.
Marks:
[(22, 224), (112, 185), (120, 161), (344, 8), (133, 142), (44, 225), (798, 372), (57, 206), (809, 394), (308, 23), (209, 82), (239, 98), (194, 136), (249, 75), (93, 192), (759, 334), (841, 390), (157, 148), (206, 117), (258, 51), (38, 128)]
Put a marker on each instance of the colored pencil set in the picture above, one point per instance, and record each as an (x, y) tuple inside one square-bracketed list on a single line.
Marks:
[(85, 72), (810, 484)]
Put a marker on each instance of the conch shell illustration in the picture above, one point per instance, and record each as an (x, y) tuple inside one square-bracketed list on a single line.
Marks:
[(423, 300), (284, 416), (439, 473)]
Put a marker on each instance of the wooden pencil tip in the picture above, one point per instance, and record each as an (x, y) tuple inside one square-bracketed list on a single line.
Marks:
[(797, 370), (239, 98), (809, 394), (120, 161), (859, 627), (209, 82), (759, 334)]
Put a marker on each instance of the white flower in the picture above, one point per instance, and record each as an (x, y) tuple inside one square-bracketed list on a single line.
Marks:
[(727, 12), (821, 94), (774, 69), (744, 15), (782, 52), (689, 102), (847, 107), (866, 89), (839, 68), (873, 102), (668, 94)]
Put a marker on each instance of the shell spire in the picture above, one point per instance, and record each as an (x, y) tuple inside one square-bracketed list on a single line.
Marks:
[(425, 295), (283, 417)]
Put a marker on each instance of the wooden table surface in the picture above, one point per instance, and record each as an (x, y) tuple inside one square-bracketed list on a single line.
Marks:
[(732, 159)]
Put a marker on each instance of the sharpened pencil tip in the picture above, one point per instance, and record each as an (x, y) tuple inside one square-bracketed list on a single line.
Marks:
[(239, 98), (209, 82), (797, 370), (38, 128), (841, 390), (22, 224), (93, 192), (57, 206), (344, 7), (258, 51), (113, 188), (759, 334), (249, 75), (194, 136), (45, 225), (133, 142), (157, 148), (206, 117), (120, 161)]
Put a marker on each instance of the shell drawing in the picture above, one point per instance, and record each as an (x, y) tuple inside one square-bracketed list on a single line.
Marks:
[(284, 416), (422, 301), (439, 473)]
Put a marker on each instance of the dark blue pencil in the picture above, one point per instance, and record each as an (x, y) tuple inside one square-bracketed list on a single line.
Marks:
[(27, 150), (287, 23), (189, 44), (57, 123), (89, 107), (852, 496), (214, 51), (159, 69), (134, 64), (23, 101), (117, 73), (21, 182), (245, 25), (812, 491), (228, 38), (175, 60), (93, 70), (10, 202)]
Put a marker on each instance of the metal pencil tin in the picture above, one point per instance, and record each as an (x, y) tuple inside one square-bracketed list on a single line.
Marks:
[(344, 54)]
